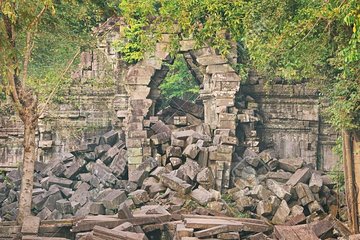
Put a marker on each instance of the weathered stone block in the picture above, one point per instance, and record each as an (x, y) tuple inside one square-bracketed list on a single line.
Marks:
[(101, 150), (301, 175), (138, 176), (281, 213), (139, 197), (113, 199), (282, 177), (304, 193), (59, 181), (264, 208), (97, 208), (63, 206), (189, 169), (316, 182), (110, 154), (211, 59), (206, 178), (278, 190), (291, 164), (175, 184), (201, 196), (191, 151), (175, 162), (118, 165), (110, 138)]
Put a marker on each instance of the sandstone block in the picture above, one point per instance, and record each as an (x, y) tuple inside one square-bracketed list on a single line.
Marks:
[(291, 164), (113, 199), (175, 184), (301, 175), (278, 190), (201, 196), (316, 182), (139, 197), (281, 213)]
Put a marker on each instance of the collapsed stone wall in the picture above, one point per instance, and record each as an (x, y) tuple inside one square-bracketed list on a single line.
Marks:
[(292, 122), (87, 108)]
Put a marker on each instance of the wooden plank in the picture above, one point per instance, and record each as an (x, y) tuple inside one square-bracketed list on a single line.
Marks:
[(300, 218), (299, 232), (110, 234), (229, 236), (212, 231), (42, 238), (88, 224), (204, 223), (322, 227), (248, 226), (182, 231), (242, 220), (11, 229)]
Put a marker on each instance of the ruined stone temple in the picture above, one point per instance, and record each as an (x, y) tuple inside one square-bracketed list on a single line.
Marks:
[(108, 94), (114, 164)]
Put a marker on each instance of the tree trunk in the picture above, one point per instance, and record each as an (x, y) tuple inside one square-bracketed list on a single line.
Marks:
[(350, 184), (30, 123)]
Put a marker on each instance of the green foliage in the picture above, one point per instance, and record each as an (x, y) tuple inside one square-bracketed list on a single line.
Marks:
[(337, 173), (179, 82), (232, 208), (316, 41), (63, 29), (313, 41), (212, 21), (132, 46)]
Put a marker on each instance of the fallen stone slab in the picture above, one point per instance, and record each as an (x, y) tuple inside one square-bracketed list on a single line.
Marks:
[(109, 138), (304, 193), (75, 168), (291, 164), (191, 151), (175, 184), (114, 199), (299, 232), (278, 190), (316, 182), (300, 176), (139, 197), (201, 196), (281, 213), (206, 178), (30, 225)]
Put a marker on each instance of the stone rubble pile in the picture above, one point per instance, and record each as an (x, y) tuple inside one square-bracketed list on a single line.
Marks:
[(283, 190), (180, 174)]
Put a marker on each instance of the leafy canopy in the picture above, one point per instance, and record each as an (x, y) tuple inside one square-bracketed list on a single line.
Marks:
[(62, 30), (179, 82), (305, 40)]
